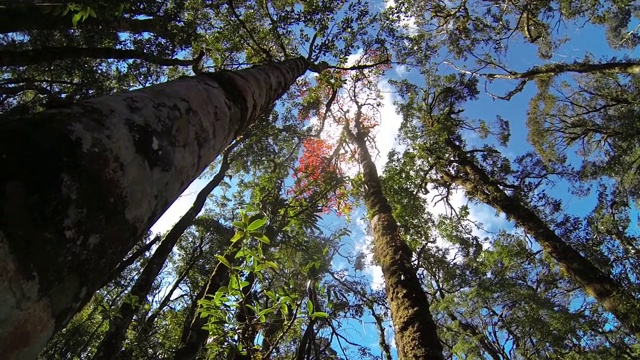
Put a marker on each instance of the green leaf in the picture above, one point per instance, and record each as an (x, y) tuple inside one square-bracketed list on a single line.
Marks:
[(75, 19), (256, 224), (271, 264), (309, 306), (239, 224), (243, 252), (223, 260), (271, 294), (263, 239), (319, 315), (239, 235), (266, 311)]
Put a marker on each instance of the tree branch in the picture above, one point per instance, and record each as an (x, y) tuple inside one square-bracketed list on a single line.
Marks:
[(49, 54)]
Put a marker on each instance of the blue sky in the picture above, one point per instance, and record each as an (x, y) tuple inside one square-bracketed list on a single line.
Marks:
[(521, 57)]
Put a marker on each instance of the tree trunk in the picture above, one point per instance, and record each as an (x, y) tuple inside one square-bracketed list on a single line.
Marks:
[(194, 337), (80, 185), (611, 295), (415, 330), (125, 263), (115, 335)]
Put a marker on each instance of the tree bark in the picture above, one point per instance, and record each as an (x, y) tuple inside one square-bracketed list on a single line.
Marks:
[(415, 330), (115, 335), (611, 295), (51, 54), (80, 185)]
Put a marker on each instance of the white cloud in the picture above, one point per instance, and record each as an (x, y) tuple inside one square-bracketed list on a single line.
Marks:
[(179, 207), (401, 70), (373, 271), (364, 245), (387, 131), (407, 23), (383, 136)]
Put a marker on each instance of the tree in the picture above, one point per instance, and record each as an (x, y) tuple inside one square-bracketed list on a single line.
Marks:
[(415, 330), (83, 180), (437, 126), (112, 340), (49, 208)]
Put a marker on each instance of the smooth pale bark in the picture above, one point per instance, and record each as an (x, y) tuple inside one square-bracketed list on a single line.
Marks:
[(609, 294), (81, 185), (626, 67), (112, 340), (415, 330)]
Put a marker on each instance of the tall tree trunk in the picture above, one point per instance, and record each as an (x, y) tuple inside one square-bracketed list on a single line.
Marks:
[(611, 295), (415, 330), (115, 335), (80, 185)]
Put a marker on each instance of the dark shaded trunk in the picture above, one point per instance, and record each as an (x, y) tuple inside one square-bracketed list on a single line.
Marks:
[(51, 54), (81, 185), (29, 18), (118, 325), (308, 342), (415, 330), (194, 337), (611, 295), (249, 331), (134, 257)]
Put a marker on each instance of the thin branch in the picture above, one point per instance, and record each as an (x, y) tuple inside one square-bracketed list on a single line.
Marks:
[(264, 52), (49, 54), (363, 66), (274, 29)]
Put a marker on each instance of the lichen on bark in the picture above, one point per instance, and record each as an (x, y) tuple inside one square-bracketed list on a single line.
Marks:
[(81, 185)]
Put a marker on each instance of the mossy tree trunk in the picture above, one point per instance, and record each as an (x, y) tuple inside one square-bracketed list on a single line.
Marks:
[(81, 185), (415, 330), (611, 295)]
